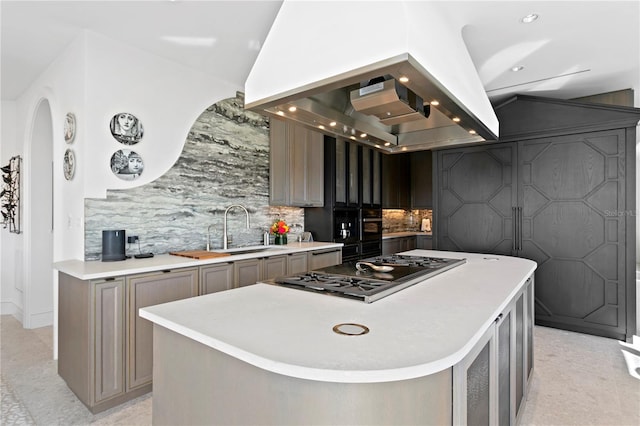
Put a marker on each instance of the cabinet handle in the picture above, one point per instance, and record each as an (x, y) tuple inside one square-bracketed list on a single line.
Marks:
[(519, 228), (514, 226), (166, 271), (499, 318), (316, 253)]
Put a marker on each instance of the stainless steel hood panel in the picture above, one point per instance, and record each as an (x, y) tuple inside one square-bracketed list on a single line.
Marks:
[(323, 103)]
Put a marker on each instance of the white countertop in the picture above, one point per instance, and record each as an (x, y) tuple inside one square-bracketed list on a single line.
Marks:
[(388, 235), (95, 269), (415, 332)]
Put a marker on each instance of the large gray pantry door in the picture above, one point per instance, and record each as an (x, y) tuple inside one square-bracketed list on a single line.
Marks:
[(571, 190)]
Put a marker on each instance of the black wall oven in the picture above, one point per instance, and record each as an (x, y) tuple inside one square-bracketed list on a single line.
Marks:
[(371, 231)]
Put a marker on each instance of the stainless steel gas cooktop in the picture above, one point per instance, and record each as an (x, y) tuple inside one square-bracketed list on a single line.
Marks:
[(370, 280)]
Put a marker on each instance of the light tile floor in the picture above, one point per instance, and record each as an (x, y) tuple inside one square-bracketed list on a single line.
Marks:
[(578, 380)]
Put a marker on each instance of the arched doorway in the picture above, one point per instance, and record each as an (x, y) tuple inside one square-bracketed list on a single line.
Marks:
[(38, 209)]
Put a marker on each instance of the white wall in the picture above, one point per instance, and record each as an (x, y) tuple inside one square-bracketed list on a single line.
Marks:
[(95, 78), (11, 245)]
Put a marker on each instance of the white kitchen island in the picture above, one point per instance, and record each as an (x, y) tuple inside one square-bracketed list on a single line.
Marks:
[(439, 352)]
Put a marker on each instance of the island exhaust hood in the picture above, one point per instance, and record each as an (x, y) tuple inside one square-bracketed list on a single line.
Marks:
[(379, 81)]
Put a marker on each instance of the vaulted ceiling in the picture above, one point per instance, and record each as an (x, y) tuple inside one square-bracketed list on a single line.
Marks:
[(573, 49)]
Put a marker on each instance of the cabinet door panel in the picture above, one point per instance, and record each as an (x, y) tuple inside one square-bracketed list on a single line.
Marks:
[(148, 290), (274, 266), (109, 339), (571, 188), (278, 163), (354, 174), (216, 278), (297, 263), (247, 272), (477, 193), (322, 259)]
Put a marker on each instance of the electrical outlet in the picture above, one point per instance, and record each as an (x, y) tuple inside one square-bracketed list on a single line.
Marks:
[(132, 239)]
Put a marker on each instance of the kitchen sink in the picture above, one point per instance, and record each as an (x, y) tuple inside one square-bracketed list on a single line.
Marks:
[(247, 250)]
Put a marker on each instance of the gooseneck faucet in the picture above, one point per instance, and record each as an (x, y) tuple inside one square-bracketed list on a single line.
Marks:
[(224, 229), (209, 237)]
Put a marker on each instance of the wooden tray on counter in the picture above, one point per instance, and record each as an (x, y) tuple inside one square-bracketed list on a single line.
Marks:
[(199, 254)]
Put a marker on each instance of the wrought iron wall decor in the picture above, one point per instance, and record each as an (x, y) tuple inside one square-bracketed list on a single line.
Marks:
[(10, 195)]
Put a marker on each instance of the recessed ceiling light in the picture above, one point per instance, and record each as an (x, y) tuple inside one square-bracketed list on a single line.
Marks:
[(517, 68), (280, 113), (404, 148), (332, 124), (377, 146), (435, 103), (320, 126), (190, 41), (404, 79), (292, 109), (473, 132), (456, 119), (363, 135), (352, 137), (387, 144), (529, 18)]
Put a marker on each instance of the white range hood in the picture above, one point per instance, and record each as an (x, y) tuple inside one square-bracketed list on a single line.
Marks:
[(317, 53)]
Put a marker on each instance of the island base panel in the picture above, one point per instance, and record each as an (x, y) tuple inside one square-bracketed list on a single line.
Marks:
[(195, 384)]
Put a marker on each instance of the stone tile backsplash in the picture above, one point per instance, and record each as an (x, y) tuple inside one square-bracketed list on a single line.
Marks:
[(225, 161), (404, 220)]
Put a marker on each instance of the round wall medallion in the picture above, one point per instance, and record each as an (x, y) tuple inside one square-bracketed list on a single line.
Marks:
[(69, 164), (350, 329), (126, 164), (126, 128), (69, 127)]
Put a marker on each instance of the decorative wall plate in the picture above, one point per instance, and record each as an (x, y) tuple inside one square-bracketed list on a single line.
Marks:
[(126, 128), (69, 127), (126, 164), (69, 164)]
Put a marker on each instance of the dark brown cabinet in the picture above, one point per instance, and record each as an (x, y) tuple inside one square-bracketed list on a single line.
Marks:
[(556, 194), (407, 180), (396, 181), (421, 180)]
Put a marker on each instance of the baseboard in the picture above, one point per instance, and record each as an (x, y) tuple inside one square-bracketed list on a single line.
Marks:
[(39, 320), (10, 308)]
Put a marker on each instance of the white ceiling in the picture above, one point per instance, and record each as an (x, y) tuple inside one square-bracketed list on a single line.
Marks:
[(575, 48)]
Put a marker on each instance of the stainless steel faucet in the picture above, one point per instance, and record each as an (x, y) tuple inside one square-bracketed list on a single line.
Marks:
[(209, 237), (224, 230)]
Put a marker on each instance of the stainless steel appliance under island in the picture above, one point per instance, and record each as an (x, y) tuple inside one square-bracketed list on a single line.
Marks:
[(453, 348)]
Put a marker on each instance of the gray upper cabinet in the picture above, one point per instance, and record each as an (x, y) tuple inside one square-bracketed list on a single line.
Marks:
[(556, 190), (296, 166)]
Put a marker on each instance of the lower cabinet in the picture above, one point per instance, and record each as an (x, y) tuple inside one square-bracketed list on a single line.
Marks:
[(297, 263), (274, 266), (491, 383), (397, 245), (324, 258), (147, 290), (424, 242), (247, 272), (105, 350), (216, 277)]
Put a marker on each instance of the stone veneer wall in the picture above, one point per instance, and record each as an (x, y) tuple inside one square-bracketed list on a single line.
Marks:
[(225, 161), (404, 220)]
